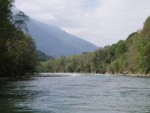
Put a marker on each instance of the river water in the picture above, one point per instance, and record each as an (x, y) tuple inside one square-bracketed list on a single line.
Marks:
[(78, 94)]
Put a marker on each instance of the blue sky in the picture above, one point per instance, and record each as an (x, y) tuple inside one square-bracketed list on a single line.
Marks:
[(101, 22)]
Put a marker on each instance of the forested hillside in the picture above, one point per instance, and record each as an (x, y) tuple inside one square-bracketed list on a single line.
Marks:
[(18, 55), (42, 56), (129, 56)]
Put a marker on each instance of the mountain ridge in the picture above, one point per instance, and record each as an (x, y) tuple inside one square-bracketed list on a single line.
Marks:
[(56, 42)]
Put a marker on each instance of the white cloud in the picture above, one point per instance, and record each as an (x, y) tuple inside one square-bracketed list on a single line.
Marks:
[(101, 22)]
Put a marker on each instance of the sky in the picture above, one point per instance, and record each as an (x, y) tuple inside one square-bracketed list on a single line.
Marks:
[(101, 22)]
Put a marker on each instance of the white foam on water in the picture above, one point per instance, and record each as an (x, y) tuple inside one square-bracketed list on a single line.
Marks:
[(60, 74)]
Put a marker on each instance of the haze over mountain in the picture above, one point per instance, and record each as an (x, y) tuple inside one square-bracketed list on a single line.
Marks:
[(55, 42)]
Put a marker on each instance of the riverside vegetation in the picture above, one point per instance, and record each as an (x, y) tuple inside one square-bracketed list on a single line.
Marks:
[(18, 55), (130, 56)]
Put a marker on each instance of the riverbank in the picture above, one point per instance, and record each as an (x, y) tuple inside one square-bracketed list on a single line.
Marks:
[(16, 78), (130, 74), (61, 74), (57, 74)]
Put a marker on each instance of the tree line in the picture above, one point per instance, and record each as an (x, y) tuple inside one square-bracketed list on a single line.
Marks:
[(18, 55), (127, 56)]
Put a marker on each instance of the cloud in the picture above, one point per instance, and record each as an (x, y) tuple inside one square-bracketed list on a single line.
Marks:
[(101, 22)]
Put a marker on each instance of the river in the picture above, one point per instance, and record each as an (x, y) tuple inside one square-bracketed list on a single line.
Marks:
[(78, 94)]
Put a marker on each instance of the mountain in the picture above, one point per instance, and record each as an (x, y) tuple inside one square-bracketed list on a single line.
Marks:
[(56, 42)]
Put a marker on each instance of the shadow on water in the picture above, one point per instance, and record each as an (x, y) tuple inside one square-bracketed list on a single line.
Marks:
[(13, 96)]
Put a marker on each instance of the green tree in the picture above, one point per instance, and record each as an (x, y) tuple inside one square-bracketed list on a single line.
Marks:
[(144, 57), (17, 50)]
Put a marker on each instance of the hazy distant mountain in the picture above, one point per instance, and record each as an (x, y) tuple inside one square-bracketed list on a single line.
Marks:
[(56, 42)]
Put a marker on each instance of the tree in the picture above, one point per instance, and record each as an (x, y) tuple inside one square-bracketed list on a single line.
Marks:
[(144, 57), (17, 50)]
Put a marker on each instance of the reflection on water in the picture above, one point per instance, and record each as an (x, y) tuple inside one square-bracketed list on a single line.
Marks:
[(13, 95), (82, 94)]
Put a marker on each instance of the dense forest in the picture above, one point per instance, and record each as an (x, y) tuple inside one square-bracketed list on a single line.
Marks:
[(124, 57), (18, 55)]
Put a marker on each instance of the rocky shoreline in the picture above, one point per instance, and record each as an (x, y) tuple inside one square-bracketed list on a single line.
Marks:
[(65, 75), (132, 75), (57, 74), (78, 74)]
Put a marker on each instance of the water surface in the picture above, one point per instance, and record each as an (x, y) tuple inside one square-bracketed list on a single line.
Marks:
[(79, 94)]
